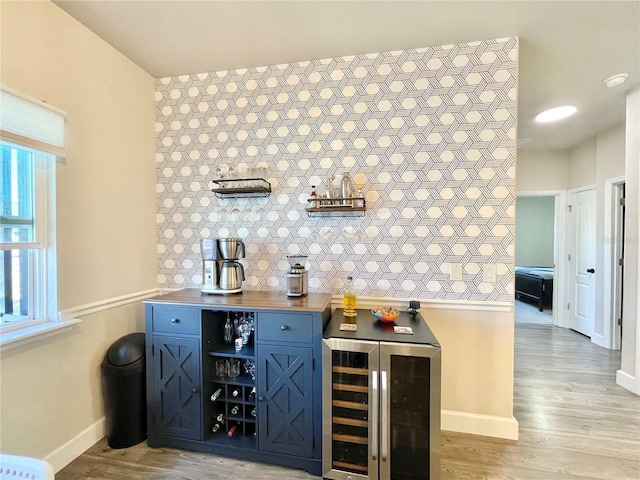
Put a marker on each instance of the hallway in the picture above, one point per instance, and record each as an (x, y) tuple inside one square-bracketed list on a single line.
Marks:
[(575, 422)]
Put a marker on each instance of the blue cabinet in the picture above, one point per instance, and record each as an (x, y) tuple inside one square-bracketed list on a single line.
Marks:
[(176, 401), (285, 406), (276, 407)]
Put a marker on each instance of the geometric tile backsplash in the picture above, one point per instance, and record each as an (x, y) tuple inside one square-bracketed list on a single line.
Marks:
[(429, 132)]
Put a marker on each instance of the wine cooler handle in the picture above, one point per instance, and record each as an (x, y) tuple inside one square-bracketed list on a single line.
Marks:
[(374, 416), (384, 440)]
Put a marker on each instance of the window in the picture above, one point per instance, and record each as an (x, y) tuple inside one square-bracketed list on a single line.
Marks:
[(31, 140), (23, 235)]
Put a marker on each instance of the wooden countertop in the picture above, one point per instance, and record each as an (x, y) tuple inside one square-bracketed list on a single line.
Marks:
[(253, 299)]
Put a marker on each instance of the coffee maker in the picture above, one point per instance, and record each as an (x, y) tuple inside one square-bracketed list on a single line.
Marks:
[(297, 276), (222, 273)]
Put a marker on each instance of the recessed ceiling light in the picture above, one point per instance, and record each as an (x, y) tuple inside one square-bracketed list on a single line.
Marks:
[(556, 113), (615, 80)]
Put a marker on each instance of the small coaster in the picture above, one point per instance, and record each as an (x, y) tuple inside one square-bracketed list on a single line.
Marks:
[(349, 327), (405, 330)]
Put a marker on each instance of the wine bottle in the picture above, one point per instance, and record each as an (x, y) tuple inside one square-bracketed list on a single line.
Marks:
[(232, 431), (216, 394), (252, 394), (235, 410), (254, 412), (220, 418), (235, 392), (360, 398), (216, 428)]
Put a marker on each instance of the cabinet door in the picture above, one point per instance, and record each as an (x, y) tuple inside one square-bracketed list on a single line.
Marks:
[(285, 406), (176, 384), (350, 409), (409, 411)]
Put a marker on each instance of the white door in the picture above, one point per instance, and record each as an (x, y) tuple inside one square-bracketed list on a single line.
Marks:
[(582, 260)]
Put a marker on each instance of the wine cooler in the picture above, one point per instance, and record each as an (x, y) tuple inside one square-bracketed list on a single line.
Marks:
[(381, 408)]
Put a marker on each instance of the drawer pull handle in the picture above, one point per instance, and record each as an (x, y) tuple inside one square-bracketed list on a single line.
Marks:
[(175, 320), (284, 327)]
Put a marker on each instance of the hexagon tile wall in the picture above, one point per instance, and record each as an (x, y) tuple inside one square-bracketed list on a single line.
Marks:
[(430, 133)]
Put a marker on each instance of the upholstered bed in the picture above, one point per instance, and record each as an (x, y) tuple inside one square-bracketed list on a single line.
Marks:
[(535, 284)]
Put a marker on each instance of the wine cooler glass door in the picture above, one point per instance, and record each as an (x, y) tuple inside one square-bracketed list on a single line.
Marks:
[(350, 384), (410, 412)]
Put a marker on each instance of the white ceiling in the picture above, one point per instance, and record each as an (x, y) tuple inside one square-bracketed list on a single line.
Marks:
[(567, 48)]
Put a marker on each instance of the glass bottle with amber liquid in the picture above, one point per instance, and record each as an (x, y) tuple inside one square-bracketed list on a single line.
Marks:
[(349, 298)]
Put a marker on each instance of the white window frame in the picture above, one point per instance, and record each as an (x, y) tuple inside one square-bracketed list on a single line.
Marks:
[(38, 248), (43, 278), (35, 125)]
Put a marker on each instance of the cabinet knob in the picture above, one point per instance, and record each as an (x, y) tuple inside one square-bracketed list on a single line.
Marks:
[(194, 389), (591, 270), (175, 320), (284, 327), (261, 398)]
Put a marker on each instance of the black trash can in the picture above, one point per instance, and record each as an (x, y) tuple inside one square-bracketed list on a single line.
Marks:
[(124, 391)]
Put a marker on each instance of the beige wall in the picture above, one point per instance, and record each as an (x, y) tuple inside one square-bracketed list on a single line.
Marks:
[(583, 159), (629, 373), (105, 218), (610, 154), (538, 170), (477, 360)]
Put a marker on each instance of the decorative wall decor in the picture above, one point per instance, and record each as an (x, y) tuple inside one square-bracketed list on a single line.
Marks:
[(430, 133)]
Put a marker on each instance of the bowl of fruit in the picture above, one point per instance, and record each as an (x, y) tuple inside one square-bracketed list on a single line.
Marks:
[(385, 314)]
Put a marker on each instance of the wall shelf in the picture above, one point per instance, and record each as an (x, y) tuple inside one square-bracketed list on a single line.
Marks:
[(242, 187), (337, 207)]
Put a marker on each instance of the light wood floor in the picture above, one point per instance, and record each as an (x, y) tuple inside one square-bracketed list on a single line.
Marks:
[(575, 422)]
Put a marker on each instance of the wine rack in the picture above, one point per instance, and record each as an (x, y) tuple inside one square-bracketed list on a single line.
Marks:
[(384, 401), (230, 409), (350, 411)]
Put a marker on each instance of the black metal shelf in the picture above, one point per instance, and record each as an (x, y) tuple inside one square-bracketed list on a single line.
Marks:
[(232, 188), (337, 207)]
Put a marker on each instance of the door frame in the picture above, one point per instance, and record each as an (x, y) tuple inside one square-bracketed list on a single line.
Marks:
[(612, 281), (559, 250)]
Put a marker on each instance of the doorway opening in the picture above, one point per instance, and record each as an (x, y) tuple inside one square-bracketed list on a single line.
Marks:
[(540, 240), (614, 224)]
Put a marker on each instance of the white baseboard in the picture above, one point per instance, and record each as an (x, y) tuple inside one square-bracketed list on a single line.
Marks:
[(627, 381), (598, 339), (65, 454), (477, 424), (461, 422)]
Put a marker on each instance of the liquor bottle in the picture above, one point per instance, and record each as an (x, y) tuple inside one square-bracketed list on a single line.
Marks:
[(232, 431), (235, 392), (359, 202), (216, 428), (347, 188), (314, 197), (216, 395), (252, 394), (349, 298), (235, 410)]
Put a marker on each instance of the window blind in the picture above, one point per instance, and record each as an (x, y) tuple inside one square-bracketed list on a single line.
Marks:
[(31, 123)]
